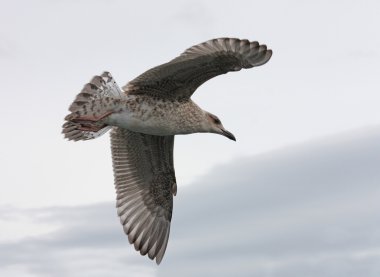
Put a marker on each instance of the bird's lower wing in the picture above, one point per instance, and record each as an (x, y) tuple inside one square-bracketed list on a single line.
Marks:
[(145, 184), (179, 78)]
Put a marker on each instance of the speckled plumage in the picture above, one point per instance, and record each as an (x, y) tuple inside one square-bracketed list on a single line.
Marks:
[(155, 116), (145, 115)]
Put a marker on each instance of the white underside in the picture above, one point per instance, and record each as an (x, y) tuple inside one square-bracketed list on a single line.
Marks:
[(150, 126)]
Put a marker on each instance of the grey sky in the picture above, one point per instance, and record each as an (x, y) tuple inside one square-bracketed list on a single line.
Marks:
[(287, 199), (310, 210)]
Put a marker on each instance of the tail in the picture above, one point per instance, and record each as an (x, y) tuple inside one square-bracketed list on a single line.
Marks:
[(93, 104)]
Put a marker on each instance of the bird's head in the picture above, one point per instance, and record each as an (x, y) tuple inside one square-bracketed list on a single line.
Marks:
[(216, 126)]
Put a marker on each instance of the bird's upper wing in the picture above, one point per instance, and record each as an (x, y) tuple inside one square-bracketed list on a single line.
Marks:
[(145, 184), (179, 78)]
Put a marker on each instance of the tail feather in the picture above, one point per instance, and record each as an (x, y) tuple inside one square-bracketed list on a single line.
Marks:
[(95, 102)]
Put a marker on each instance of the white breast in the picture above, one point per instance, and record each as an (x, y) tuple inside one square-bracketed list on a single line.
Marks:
[(133, 122)]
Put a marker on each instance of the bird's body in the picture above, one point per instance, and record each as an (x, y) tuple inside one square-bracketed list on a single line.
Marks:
[(144, 117), (144, 114)]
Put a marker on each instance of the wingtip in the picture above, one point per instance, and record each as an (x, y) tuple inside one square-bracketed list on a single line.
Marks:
[(268, 56), (269, 53), (262, 59), (158, 261)]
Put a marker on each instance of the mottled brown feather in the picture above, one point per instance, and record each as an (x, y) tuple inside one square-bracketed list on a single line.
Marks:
[(179, 78)]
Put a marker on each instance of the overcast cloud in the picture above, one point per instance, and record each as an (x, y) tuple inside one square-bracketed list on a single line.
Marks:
[(310, 210), (322, 79), (296, 195)]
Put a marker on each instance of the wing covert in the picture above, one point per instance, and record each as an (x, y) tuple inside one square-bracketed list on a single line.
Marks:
[(179, 78)]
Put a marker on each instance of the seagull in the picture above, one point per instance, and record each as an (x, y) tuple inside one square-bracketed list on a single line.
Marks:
[(144, 116)]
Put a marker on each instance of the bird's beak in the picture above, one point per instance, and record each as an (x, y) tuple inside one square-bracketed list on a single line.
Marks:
[(228, 135)]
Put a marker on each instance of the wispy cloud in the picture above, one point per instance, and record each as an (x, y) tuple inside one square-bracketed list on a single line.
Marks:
[(310, 210)]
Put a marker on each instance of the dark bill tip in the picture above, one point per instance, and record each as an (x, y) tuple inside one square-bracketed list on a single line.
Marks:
[(228, 135)]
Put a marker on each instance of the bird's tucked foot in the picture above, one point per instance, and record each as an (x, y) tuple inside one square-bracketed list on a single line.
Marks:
[(90, 124), (91, 128), (84, 118)]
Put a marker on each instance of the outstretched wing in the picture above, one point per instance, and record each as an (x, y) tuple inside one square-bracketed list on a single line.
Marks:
[(145, 184), (179, 78)]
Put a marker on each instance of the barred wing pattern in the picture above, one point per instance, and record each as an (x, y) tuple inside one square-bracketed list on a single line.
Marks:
[(145, 184), (179, 78)]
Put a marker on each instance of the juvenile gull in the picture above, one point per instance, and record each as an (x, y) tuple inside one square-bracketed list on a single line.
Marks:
[(144, 117)]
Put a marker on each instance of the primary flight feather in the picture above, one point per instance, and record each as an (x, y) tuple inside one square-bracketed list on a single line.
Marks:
[(144, 117)]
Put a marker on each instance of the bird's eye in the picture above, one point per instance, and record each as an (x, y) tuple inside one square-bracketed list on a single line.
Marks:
[(216, 120)]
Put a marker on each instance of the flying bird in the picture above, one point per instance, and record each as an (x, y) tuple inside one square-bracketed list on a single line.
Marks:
[(144, 116)]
